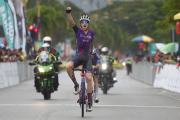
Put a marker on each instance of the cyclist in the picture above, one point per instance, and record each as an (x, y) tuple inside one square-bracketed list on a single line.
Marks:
[(45, 47), (99, 48), (84, 47), (95, 56)]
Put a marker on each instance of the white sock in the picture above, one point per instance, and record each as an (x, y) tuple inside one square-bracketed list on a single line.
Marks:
[(96, 92)]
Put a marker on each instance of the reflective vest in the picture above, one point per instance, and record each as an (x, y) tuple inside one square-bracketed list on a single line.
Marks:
[(128, 61)]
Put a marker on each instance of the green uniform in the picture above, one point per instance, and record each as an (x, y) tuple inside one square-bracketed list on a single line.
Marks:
[(50, 55), (110, 58)]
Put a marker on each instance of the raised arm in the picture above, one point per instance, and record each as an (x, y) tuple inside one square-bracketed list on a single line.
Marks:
[(68, 10)]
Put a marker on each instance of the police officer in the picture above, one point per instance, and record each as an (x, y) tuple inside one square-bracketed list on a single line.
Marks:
[(128, 62)]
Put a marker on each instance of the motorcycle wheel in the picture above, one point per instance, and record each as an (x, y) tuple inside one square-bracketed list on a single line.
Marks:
[(105, 86), (47, 94)]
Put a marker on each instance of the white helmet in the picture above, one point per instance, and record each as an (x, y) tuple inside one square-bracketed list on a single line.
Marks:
[(104, 49), (45, 45), (47, 39), (85, 17)]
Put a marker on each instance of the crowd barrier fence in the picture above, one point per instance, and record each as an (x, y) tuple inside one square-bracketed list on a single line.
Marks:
[(167, 78), (12, 73), (144, 72)]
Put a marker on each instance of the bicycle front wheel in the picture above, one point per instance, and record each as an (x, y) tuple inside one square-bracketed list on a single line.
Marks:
[(83, 98)]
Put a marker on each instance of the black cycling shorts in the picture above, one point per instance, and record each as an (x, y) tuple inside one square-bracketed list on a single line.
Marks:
[(95, 72), (83, 59)]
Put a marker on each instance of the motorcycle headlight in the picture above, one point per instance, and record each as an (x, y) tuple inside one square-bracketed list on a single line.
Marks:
[(104, 66), (124, 64), (41, 70), (49, 69)]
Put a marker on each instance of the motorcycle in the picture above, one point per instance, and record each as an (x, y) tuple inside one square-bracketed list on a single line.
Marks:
[(106, 77), (45, 73)]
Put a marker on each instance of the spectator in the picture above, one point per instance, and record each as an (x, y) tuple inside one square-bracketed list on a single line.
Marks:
[(1, 60), (146, 57), (156, 56), (178, 60), (21, 54), (14, 55), (152, 60), (5, 54)]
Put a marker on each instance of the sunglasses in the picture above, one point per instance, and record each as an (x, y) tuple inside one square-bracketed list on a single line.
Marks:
[(85, 21)]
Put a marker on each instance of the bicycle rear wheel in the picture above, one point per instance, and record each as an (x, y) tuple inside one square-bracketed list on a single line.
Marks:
[(83, 98)]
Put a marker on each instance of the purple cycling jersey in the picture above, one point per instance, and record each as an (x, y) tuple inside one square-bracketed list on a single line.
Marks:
[(83, 41)]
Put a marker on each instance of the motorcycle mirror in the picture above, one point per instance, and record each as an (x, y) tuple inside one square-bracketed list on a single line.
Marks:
[(57, 53), (57, 62), (32, 63)]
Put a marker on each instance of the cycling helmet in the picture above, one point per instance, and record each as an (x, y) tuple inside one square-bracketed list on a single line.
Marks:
[(100, 47), (45, 46), (85, 17), (94, 50), (47, 39)]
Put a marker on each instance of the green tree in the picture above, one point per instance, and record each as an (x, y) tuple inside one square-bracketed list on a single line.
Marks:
[(51, 20), (171, 8)]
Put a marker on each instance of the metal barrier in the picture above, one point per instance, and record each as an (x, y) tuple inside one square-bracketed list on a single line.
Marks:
[(11, 73), (25, 71), (144, 72)]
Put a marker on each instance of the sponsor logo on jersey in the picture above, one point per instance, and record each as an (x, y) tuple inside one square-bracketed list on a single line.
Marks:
[(85, 40), (89, 37)]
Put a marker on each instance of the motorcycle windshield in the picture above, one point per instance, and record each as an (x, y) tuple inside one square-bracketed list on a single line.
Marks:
[(44, 58), (104, 59)]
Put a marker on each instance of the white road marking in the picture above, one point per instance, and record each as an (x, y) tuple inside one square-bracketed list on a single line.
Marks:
[(134, 106)]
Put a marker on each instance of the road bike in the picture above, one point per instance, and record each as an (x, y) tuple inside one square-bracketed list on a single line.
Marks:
[(83, 92)]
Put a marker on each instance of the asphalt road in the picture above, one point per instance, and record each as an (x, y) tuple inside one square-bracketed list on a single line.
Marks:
[(128, 100)]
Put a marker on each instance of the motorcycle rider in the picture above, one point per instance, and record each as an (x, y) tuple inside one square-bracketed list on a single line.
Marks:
[(48, 40), (104, 52), (84, 46), (45, 47), (95, 56)]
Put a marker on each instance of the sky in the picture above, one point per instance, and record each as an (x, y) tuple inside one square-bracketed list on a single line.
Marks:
[(85, 4)]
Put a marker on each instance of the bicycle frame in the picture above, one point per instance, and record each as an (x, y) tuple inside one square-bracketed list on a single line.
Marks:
[(82, 93), (83, 81)]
